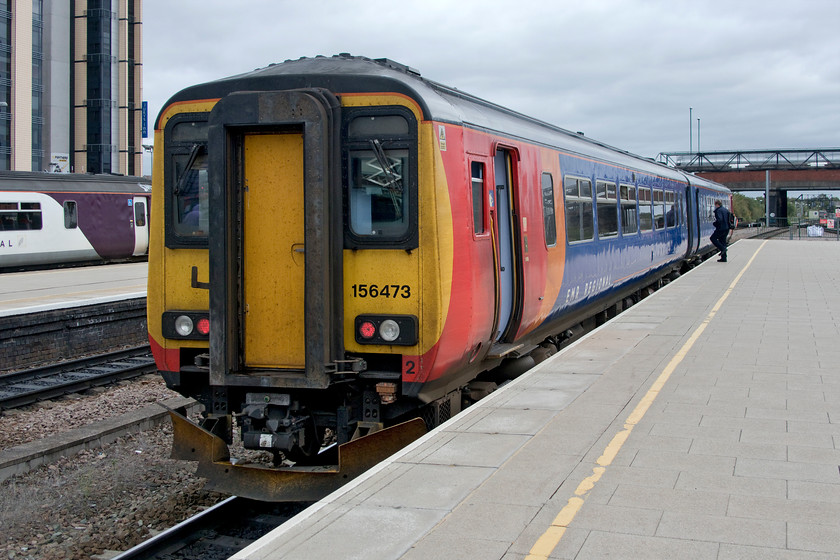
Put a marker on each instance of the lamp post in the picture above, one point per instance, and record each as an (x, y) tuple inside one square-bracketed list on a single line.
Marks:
[(690, 130), (698, 135), (150, 148)]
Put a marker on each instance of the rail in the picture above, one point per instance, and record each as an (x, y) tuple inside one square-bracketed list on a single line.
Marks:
[(225, 528), (32, 385)]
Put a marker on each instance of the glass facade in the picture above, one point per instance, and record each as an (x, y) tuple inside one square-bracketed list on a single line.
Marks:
[(5, 86), (133, 104), (38, 163), (99, 104), (99, 145)]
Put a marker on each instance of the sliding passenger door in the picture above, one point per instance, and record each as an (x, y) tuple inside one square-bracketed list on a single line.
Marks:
[(507, 282)]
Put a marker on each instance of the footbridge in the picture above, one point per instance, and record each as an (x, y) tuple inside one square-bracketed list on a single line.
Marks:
[(774, 171)]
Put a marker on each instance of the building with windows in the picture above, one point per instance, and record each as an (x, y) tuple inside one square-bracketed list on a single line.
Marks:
[(71, 86)]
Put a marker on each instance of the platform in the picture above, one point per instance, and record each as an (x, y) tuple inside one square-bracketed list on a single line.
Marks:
[(31, 292), (702, 423), (50, 316)]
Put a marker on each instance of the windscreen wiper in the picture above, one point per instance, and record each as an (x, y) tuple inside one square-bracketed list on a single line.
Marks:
[(394, 179), (197, 150)]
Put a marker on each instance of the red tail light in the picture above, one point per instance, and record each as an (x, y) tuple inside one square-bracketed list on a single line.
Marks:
[(367, 329)]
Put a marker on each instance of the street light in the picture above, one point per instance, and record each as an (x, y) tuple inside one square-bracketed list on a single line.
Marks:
[(150, 148), (690, 130)]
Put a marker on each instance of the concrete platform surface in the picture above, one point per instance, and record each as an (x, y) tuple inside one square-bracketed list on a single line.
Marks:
[(43, 290), (703, 423)]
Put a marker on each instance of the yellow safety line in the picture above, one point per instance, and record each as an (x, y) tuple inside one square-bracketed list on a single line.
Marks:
[(549, 540)]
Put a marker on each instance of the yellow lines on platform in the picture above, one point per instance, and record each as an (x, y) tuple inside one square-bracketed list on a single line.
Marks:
[(549, 540)]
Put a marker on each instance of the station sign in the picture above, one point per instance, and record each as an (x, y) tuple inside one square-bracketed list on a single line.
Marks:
[(144, 120)]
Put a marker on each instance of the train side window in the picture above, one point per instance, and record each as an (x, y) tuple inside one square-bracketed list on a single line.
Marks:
[(549, 213), (678, 201), (670, 209), (71, 217), (477, 181), (580, 224), (607, 209), (645, 212), (21, 216), (8, 215), (629, 214), (30, 217), (659, 208)]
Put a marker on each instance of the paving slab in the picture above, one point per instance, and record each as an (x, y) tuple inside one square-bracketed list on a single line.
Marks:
[(43, 290), (702, 423)]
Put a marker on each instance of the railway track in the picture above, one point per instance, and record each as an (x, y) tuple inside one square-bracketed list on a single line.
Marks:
[(28, 386), (217, 532)]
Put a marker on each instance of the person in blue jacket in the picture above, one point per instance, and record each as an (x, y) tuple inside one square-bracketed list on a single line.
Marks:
[(721, 224)]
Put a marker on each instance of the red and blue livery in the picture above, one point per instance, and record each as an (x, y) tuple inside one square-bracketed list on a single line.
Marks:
[(339, 245)]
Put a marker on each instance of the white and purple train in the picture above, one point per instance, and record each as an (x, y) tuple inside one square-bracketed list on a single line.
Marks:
[(52, 219)]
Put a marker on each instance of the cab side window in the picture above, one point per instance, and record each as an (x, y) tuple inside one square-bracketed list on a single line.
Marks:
[(380, 163), (186, 185)]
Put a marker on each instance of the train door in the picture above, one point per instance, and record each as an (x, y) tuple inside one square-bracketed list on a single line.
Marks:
[(141, 226), (690, 223), (699, 218), (273, 250), (506, 249)]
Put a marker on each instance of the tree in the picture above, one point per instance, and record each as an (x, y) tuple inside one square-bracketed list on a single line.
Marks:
[(746, 208)]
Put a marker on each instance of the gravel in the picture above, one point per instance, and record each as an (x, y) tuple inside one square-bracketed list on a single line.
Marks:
[(107, 499)]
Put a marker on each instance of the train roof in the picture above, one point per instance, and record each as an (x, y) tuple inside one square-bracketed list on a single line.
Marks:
[(72, 182), (703, 183), (344, 73)]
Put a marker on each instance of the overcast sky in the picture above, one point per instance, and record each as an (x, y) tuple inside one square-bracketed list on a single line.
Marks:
[(759, 74)]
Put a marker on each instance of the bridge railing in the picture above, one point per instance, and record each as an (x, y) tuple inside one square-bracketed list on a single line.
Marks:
[(753, 160)]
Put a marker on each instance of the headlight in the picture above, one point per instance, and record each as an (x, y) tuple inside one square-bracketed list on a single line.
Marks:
[(183, 325), (389, 330)]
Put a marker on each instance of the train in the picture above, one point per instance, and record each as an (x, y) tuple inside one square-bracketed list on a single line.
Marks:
[(344, 253), (52, 219)]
